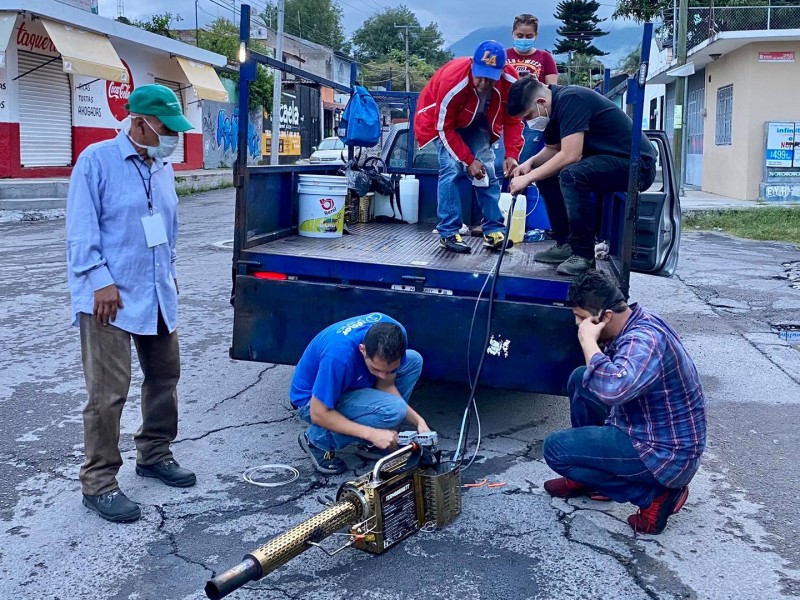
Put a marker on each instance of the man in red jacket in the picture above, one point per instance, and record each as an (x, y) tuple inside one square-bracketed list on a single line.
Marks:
[(463, 109)]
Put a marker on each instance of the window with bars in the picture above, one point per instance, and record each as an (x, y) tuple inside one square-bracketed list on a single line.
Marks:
[(724, 115)]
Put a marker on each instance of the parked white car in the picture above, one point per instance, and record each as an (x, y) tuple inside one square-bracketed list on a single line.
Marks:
[(329, 152)]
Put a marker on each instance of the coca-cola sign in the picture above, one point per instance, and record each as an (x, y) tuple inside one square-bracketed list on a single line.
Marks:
[(118, 94)]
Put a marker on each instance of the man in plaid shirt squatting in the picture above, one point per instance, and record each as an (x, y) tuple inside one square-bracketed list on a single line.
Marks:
[(637, 409)]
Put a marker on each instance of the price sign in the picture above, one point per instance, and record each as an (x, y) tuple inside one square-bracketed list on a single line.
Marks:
[(780, 145)]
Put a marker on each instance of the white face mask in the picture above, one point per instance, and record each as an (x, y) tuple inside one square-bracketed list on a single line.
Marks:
[(538, 123), (166, 143)]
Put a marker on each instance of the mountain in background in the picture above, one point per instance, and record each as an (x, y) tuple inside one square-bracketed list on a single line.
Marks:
[(618, 43)]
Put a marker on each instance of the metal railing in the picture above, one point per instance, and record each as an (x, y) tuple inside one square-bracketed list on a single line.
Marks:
[(706, 22)]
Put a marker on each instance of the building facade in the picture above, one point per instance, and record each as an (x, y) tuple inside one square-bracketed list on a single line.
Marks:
[(740, 85), (65, 77)]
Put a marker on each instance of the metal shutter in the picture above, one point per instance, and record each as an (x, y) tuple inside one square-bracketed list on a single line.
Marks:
[(179, 156), (45, 112)]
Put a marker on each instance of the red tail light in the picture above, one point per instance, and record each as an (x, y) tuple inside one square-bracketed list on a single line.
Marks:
[(270, 275)]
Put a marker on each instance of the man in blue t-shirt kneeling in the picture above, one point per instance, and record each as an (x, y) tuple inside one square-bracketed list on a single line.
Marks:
[(352, 385)]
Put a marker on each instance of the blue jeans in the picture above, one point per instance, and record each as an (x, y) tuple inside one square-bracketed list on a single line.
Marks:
[(534, 141), (451, 171), (368, 406), (599, 456)]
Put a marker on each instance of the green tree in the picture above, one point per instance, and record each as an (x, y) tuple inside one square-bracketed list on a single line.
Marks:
[(582, 69), (630, 64), (161, 23), (378, 36), (318, 21), (580, 27), (392, 67), (643, 10), (222, 37)]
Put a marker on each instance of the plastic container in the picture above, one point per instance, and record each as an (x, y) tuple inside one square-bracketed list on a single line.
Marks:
[(409, 198), (321, 205), (536, 217), (382, 207), (517, 232)]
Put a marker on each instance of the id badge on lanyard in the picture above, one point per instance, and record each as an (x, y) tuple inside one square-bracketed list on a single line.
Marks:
[(154, 231)]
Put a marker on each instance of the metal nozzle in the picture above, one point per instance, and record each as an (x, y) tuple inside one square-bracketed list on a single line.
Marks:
[(232, 579), (281, 549)]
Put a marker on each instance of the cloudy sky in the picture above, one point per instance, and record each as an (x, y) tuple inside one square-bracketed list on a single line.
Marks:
[(456, 18)]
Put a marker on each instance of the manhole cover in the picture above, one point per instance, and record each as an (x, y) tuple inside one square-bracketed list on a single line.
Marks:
[(224, 245)]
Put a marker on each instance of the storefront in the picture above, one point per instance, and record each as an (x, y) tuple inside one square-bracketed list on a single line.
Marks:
[(65, 77)]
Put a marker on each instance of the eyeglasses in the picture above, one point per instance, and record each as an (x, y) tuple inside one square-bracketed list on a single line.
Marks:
[(526, 19)]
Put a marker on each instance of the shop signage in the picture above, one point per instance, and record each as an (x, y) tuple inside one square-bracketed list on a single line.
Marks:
[(118, 93), (34, 42), (786, 57)]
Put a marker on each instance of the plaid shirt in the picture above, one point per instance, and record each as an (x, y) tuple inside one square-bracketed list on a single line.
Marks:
[(654, 392)]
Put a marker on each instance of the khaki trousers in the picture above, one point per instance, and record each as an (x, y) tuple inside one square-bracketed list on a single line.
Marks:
[(106, 356)]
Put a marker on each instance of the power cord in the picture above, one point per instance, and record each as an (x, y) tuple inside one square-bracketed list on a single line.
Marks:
[(471, 404)]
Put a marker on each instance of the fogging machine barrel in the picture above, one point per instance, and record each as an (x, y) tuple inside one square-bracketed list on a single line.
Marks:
[(283, 548)]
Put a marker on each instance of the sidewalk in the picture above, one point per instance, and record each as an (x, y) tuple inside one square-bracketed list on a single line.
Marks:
[(46, 198), (699, 201)]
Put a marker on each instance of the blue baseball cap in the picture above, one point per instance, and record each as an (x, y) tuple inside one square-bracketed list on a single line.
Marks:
[(489, 60)]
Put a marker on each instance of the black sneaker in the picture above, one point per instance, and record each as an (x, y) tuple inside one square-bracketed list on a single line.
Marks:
[(554, 255), (168, 471), (494, 241), (575, 265), (324, 462), (113, 506), (455, 243)]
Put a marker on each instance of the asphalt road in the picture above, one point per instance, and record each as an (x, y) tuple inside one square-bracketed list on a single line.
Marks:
[(737, 537)]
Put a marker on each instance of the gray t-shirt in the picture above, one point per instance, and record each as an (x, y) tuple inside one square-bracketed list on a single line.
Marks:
[(483, 100)]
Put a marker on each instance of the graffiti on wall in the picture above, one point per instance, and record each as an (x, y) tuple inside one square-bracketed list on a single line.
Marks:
[(220, 127)]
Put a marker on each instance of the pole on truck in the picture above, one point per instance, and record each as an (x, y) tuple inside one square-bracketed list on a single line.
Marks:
[(636, 85), (247, 70), (274, 147)]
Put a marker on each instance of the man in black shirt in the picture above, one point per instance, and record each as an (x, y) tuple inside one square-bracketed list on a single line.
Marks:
[(588, 145)]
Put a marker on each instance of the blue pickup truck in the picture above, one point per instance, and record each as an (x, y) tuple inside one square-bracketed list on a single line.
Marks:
[(288, 287)]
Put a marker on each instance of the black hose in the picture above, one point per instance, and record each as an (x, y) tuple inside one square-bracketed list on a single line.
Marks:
[(495, 276)]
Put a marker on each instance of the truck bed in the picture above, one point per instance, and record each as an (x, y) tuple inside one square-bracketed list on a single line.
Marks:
[(412, 246)]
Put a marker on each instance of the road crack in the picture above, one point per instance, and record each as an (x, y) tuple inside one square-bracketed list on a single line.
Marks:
[(173, 542), (227, 427), (244, 389)]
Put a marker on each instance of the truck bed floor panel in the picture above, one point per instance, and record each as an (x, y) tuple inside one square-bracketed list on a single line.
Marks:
[(413, 245)]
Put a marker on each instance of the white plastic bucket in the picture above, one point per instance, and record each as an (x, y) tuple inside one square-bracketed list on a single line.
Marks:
[(321, 200)]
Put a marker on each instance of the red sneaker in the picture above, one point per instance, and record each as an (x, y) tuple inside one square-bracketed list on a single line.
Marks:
[(653, 519), (566, 488)]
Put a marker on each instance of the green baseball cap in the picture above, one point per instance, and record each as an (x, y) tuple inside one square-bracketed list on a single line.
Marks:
[(159, 101)]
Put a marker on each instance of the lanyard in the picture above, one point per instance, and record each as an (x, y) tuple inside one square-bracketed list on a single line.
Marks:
[(147, 182)]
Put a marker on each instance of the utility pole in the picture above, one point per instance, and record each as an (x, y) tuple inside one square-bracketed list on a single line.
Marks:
[(680, 93), (405, 29), (196, 26), (276, 90)]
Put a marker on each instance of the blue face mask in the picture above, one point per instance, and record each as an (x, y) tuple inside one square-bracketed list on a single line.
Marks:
[(524, 45)]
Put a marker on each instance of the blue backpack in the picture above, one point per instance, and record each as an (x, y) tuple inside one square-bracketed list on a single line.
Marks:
[(361, 121)]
